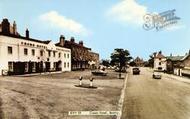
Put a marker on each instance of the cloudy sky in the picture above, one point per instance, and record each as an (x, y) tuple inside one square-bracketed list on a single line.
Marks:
[(102, 24)]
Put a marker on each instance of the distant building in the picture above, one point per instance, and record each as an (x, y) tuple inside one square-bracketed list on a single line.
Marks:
[(138, 62), (177, 64), (22, 54), (160, 62), (94, 60), (81, 56)]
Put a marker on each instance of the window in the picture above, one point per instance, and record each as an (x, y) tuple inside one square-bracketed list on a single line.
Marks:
[(159, 63), (10, 50), (25, 51), (159, 58), (49, 53), (10, 66), (64, 55), (64, 64), (54, 65), (26, 67), (67, 55), (53, 53), (33, 67), (68, 65), (33, 52), (41, 53), (59, 55)]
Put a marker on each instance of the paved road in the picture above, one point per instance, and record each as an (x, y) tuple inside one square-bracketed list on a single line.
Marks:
[(147, 98)]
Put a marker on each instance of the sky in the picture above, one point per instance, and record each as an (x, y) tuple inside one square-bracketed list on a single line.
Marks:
[(103, 25)]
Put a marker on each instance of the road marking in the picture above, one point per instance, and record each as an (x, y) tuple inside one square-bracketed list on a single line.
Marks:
[(121, 100)]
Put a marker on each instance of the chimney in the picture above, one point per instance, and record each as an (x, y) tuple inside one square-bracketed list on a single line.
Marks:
[(81, 43), (62, 40), (154, 54), (27, 33), (72, 39), (5, 27), (14, 28)]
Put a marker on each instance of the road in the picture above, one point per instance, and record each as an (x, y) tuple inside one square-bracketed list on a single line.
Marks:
[(147, 98)]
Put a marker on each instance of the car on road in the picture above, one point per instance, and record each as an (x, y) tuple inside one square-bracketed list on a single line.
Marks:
[(136, 70), (156, 75)]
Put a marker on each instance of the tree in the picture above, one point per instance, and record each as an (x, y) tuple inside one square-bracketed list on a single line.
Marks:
[(120, 57), (105, 63), (151, 60), (132, 64)]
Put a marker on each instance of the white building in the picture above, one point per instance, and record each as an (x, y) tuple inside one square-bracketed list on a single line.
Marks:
[(20, 55), (160, 62)]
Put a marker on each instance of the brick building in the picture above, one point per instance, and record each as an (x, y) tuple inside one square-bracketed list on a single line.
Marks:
[(138, 62), (81, 56), (178, 64), (94, 60)]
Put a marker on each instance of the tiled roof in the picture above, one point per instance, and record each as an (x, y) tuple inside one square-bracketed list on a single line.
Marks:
[(67, 42), (159, 55), (175, 58)]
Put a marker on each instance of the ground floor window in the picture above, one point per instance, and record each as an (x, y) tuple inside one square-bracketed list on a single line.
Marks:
[(10, 66), (33, 67), (54, 65), (26, 67), (68, 65), (64, 64)]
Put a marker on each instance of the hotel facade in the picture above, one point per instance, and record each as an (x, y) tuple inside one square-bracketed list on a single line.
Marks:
[(23, 55)]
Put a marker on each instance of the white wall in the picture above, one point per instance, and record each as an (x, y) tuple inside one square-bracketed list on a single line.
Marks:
[(18, 46), (157, 65)]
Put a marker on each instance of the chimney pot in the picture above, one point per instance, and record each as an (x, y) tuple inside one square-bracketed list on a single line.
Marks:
[(27, 33), (72, 39), (62, 40), (81, 43), (5, 26)]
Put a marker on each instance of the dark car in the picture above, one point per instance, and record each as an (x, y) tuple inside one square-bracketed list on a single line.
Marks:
[(136, 71)]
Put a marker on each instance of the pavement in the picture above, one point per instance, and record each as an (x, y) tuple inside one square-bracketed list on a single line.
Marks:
[(147, 98)]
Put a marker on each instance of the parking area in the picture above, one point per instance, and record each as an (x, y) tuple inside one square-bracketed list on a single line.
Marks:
[(51, 96)]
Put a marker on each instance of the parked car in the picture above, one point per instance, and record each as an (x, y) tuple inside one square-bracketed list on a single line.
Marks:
[(99, 73), (136, 70), (156, 75)]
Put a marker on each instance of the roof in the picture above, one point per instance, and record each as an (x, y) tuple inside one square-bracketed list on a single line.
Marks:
[(159, 55), (176, 58), (72, 43), (24, 38)]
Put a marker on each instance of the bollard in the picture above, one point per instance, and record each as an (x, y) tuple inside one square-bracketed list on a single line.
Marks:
[(91, 81), (80, 80)]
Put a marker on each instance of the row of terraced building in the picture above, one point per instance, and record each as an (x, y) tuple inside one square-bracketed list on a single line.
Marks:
[(24, 55)]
